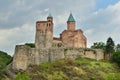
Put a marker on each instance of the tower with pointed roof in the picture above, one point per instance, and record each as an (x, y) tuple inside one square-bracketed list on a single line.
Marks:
[(72, 37), (71, 23), (69, 38)]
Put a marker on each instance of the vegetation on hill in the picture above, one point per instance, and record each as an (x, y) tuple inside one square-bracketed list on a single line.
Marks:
[(110, 47), (32, 45), (98, 45), (116, 57), (4, 61), (22, 76), (74, 69), (111, 50)]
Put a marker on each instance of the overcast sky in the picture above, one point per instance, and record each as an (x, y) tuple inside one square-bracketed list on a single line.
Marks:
[(99, 19)]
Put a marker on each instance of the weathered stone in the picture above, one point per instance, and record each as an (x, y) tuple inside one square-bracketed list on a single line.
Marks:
[(71, 44), (20, 58)]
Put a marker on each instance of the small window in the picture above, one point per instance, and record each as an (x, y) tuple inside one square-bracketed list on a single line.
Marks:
[(38, 24)]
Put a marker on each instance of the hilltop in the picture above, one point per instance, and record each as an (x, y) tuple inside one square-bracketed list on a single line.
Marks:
[(74, 69)]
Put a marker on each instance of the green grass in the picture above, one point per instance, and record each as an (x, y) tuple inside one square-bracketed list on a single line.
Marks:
[(75, 69)]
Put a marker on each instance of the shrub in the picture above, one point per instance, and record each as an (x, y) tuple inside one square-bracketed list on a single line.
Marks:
[(22, 76), (32, 45), (92, 78), (116, 57)]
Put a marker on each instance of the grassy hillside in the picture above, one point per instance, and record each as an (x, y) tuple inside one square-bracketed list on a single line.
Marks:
[(4, 60), (78, 69)]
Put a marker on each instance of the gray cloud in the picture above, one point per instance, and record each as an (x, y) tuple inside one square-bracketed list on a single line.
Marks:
[(17, 12), (18, 17), (103, 24)]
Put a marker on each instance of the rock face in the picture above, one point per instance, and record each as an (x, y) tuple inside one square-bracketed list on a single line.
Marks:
[(71, 44)]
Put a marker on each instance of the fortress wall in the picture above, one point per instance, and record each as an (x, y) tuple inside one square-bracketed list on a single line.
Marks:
[(20, 58), (90, 54), (100, 54), (73, 53), (43, 55), (56, 54), (24, 55), (97, 54)]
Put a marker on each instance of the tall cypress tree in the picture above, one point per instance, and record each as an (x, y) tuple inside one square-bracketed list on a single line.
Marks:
[(109, 47)]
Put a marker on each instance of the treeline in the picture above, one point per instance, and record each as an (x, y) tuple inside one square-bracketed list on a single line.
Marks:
[(112, 51), (4, 61)]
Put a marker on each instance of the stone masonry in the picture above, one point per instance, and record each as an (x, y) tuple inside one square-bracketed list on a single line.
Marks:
[(71, 44)]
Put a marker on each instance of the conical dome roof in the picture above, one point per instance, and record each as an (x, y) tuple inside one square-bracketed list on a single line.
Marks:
[(71, 18), (49, 15)]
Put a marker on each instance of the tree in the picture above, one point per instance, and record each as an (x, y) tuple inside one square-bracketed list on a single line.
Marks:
[(109, 49), (118, 47), (116, 57), (98, 45)]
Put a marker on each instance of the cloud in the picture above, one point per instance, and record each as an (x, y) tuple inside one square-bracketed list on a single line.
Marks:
[(14, 36), (17, 20), (104, 23), (17, 12)]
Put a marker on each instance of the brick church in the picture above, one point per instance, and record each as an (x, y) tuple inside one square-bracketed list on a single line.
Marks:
[(68, 38)]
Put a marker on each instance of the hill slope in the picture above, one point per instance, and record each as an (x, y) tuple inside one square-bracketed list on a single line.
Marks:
[(4, 60), (78, 69)]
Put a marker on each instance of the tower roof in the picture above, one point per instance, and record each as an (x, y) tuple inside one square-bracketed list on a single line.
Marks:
[(49, 15), (71, 18)]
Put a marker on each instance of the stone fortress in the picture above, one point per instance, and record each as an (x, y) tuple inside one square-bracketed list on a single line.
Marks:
[(71, 44)]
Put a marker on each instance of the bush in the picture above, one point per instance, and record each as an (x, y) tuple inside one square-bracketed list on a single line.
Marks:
[(22, 76), (116, 57), (32, 45), (92, 78), (5, 59)]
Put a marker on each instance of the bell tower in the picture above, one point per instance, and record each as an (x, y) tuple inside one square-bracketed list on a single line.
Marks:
[(71, 23), (50, 26), (44, 33)]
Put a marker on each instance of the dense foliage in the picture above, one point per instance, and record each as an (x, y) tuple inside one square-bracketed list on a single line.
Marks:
[(98, 45), (32, 45), (117, 47), (116, 57), (109, 46), (4, 58), (4, 61)]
